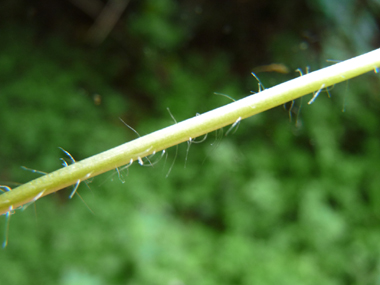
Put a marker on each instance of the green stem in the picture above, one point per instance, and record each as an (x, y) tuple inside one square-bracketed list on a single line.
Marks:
[(188, 129)]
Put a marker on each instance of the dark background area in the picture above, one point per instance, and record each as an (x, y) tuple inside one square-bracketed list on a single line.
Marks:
[(291, 197)]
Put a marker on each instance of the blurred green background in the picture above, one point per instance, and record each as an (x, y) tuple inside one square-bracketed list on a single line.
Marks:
[(279, 201)]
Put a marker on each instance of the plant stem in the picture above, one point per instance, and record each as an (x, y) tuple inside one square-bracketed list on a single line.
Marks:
[(188, 129)]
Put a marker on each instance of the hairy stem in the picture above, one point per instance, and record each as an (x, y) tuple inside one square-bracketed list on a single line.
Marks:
[(188, 129)]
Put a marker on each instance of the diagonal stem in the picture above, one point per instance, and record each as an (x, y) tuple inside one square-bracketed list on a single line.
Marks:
[(188, 129)]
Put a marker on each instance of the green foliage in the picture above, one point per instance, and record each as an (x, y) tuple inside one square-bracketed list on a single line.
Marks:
[(272, 203), (155, 26)]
